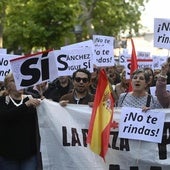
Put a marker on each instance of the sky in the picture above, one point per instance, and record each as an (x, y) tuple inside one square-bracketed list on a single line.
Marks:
[(155, 9)]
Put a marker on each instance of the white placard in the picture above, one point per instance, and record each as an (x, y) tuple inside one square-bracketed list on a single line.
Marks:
[(68, 61), (34, 69), (103, 50), (158, 61), (135, 124), (3, 51), (5, 66), (88, 43), (162, 33)]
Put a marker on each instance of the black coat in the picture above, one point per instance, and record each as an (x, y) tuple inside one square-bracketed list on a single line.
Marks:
[(19, 133)]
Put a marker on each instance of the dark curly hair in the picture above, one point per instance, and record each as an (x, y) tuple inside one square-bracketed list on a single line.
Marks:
[(83, 71)]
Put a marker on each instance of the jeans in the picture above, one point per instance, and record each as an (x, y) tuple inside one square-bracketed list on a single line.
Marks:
[(27, 164)]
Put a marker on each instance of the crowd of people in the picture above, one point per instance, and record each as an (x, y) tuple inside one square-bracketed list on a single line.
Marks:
[(19, 134)]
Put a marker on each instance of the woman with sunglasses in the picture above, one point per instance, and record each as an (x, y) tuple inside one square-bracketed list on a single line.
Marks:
[(80, 94)]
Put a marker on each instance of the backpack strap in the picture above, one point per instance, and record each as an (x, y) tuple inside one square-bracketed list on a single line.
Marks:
[(148, 100), (123, 98)]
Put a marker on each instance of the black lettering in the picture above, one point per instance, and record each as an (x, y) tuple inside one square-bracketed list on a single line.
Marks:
[(27, 71), (84, 132), (122, 59), (64, 130), (134, 168), (155, 168), (165, 140), (114, 167), (114, 139), (124, 144), (75, 137), (65, 65), (45, 67)]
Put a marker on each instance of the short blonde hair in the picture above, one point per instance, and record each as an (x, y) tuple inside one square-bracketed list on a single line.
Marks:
[(9, 75)]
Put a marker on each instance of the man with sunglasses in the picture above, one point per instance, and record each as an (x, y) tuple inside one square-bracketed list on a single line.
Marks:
[(80, 94)]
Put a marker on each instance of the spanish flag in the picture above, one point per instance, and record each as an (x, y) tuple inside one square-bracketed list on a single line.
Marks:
[(101, 118), (134, 64)]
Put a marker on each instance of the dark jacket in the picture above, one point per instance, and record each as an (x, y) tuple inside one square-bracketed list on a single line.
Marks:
[(55, 91), (19, 132), (71, 97)]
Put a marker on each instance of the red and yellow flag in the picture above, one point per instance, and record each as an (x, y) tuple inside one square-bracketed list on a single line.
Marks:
[(101, 118), (134, 63)]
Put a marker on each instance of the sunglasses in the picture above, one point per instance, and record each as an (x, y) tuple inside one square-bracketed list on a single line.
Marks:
[(78, 79)]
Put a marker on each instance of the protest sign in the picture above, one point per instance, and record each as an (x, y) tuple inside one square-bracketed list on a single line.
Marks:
[(135, 124), (142, 63), (103, 51), (3, 51), (5, 66), (88, 43), (162, 33), (153, 89), (34, 69), (68, 61), (63, 133), (158, 61), (143, 55)]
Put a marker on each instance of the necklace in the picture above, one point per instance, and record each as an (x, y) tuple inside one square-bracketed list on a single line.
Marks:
[(16, 104)]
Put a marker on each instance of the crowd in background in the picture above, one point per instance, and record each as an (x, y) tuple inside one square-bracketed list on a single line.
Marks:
[(62, 85), (19, 132)]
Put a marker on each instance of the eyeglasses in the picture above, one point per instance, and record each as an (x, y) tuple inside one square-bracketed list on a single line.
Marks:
[(78, 79)]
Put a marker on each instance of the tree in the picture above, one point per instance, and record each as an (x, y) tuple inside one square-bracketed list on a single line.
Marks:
[(35, 24), (39, 24), (111, 17), (2, 18)]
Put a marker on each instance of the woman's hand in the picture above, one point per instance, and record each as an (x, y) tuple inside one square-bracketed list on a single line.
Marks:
[(145, 109), (64, 102), (164, 69), (33, 102)]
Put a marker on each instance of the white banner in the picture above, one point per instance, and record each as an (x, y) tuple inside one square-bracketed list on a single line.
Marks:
[(63, 133)]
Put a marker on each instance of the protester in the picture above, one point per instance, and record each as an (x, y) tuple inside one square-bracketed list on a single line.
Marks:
[(80, 94), (113, 76), (121, 87), (59, 87), (1, 88), (162, 94), (19, 134), (94, 80), (150, 72), (168, 72), (139, 97), (37, 91)]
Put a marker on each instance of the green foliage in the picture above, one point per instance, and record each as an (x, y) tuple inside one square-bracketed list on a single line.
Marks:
[(37, 24)]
